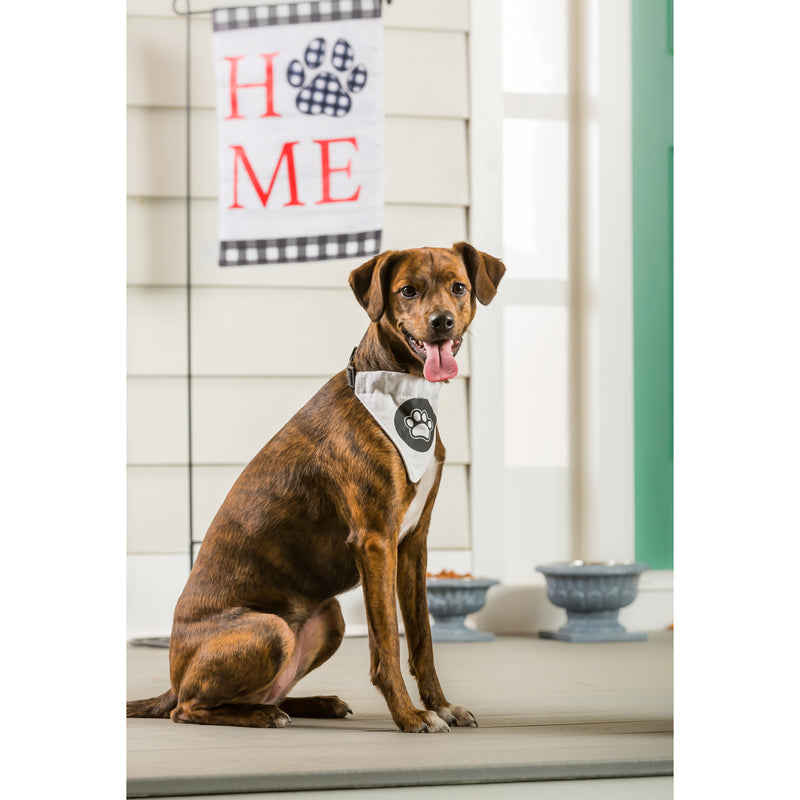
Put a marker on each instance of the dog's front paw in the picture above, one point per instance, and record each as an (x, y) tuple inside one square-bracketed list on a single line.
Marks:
[(424, 722), (457, 716)]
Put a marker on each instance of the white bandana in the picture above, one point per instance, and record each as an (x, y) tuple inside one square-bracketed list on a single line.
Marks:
[(405, 407)]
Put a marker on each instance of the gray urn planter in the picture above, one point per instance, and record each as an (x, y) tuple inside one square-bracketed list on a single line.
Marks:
[(450, 600), (592, 594)]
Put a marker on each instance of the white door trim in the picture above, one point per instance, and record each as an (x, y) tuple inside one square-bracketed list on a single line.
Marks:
[(487, 487)]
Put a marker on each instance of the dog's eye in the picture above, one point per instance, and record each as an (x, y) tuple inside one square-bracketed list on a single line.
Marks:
[(459, 289), (408, 292)]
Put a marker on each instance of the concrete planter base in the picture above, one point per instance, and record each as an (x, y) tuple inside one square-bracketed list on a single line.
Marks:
[(450, 600), (592, 594)]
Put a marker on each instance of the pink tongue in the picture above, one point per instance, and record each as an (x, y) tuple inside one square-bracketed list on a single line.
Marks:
[(439, 364)]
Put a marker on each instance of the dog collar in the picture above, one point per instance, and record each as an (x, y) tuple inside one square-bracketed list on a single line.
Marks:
[(405, 407), (351, 370)]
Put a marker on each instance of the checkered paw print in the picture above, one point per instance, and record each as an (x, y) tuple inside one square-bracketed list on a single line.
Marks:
[(324, 93)]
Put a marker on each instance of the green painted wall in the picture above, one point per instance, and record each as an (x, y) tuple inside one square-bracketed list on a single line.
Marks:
[(652, 279)]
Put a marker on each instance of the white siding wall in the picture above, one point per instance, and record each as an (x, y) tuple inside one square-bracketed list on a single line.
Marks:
[(252, 367)]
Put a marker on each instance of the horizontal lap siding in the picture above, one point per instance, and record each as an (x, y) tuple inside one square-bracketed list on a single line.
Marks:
[(158, 503), (156, 72), (263, 338), (425, 157), (446, 15), (157, 244), (234, 417), (246, 331)]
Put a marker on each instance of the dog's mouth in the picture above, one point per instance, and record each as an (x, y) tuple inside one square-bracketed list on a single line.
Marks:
[(438, 357)]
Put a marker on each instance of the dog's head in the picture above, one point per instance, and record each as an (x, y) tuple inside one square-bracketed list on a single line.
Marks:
[(424, 300)]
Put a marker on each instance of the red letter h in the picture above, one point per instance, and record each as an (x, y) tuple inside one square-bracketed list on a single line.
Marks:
[(267, 85)]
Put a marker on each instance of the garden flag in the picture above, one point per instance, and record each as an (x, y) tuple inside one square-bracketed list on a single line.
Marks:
[(300, 121)]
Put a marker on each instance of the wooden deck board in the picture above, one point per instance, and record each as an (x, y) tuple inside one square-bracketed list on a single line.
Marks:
[(546, 710)]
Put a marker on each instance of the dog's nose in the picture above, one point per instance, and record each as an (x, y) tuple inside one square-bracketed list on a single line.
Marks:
[(441, 321)]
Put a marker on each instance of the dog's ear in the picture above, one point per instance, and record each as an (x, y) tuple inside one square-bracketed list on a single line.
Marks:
[(484, 271), (370, 283)]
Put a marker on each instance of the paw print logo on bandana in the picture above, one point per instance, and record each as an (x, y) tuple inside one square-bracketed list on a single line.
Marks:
[(415, 422), (419, 424), (326, 92)]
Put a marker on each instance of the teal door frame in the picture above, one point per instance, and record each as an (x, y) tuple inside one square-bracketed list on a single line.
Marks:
[(652, 55)]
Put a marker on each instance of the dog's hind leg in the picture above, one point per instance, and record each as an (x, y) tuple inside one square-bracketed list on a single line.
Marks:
[(228, 678), (154, 707), (316, 641)]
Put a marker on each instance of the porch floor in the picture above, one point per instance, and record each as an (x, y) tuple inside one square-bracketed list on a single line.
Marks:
[(547, 710)]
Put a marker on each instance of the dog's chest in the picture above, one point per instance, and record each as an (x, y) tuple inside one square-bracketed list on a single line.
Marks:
[(414, 511)]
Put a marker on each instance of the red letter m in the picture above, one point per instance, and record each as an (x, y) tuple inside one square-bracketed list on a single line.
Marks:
[(286, 153)]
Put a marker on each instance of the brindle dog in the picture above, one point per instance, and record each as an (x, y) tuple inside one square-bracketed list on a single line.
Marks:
[(325, 505)]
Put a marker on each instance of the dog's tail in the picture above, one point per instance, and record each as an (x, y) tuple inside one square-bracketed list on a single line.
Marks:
[(154, 707)]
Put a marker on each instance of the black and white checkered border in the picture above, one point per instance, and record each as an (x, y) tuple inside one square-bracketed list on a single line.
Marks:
[(303, 248), (225, 19)]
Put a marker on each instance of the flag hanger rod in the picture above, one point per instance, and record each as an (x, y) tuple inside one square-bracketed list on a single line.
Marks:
[(189, 13)]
